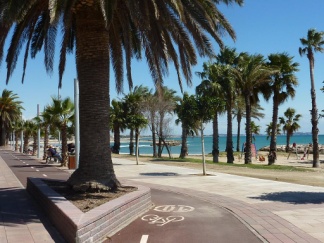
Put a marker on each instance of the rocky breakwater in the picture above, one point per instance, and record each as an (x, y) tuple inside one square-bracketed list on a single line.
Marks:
[(301, 148)]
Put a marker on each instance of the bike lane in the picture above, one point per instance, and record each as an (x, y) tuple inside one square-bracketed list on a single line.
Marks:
[(181, 218)]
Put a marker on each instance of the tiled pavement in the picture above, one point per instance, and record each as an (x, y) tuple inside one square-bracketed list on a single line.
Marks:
[(276, 211)]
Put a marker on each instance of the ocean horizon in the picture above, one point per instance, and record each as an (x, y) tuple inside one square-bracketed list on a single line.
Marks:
[(194, 143)]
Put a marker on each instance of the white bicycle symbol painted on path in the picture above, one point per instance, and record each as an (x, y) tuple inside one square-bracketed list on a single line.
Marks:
[(174, 208), (160, 221)]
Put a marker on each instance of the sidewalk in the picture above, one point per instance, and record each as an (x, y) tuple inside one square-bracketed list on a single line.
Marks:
[(20, 219), (276, 211)]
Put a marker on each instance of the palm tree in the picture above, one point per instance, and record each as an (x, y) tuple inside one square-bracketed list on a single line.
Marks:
[(46, 122), (313, 43), (167, 100), (150, 106), (269, 130), (290, 124), (10, 110), (62, 112), (210, 87), (250, 74), (132, 107), (189, 126), (29, 129), (104, 34), (18, 128), (281, 87), (118, 122)]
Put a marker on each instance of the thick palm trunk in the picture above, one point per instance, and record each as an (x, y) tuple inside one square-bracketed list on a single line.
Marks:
[(184, 145), (35, 140), (229, 138), (116, 147), (131, 142), (26, 143), (45, 142), (154, 139), (314, 120), (65, 155), (3, 134), (238, 139), (17, 136), (215, 151), (92, 59), (248, 154), (273, 140)]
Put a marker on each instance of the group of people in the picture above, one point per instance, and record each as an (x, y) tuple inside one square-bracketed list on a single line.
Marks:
[(294, 149), (53, 153)]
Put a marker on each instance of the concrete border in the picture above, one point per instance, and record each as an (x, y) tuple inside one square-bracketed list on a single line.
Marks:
[(98, 223)]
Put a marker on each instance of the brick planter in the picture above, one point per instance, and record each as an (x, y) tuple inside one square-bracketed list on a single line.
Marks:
[(92, 226)]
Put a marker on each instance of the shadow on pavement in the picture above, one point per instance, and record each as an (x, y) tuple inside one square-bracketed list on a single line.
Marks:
[(159, 174), (18, 208), (293, 197)]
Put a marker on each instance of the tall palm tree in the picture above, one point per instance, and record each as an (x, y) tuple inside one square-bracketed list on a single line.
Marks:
[(150, 106), (189, 126), (250, 74), (10, 110), (313, 43), (62, 112), (29, 129), (281, 88), (18, 128), (104, 34), (228, 58), (290, 124), (118, 122), (132, 107), (167, 100), (47, 120), (269, 130), (210, 87)]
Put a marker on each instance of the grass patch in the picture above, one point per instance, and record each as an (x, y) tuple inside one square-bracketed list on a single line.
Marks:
[(251, 166)]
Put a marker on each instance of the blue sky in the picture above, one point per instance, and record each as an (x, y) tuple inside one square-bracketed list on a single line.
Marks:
[(262, 27)]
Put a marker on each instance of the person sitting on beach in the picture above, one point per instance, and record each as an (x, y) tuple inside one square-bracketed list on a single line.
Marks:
[(54, 153)]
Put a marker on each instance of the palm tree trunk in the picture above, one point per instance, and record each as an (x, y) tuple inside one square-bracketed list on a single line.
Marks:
[(95, 163), (316, 162), (34, 144), (154, 139), (184, 146), (238, 140), (131, 142), (65, 155), (229, 138), (17, 135), (273, 140), (3, 134), (45, 142), (215, 139), (248, 154), (137, 144), (116, 147)]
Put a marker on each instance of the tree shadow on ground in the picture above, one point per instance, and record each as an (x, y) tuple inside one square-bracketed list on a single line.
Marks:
[(18, 208), (159, 174), (293, 197)]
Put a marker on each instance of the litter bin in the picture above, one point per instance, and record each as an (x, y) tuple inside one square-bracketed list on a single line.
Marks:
[(72, 164)]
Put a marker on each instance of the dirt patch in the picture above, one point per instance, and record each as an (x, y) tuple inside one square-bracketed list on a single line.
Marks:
[(86, 201)]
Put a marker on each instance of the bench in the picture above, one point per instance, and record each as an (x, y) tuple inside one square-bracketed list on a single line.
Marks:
[(49, 157)]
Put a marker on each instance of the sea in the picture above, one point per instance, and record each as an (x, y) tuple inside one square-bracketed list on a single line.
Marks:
[(195, 148)]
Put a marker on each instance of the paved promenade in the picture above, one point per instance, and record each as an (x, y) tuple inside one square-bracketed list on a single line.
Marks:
[(274, 211)]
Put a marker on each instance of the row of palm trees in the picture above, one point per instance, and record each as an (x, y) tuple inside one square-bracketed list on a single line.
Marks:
[(57, 116)]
